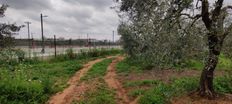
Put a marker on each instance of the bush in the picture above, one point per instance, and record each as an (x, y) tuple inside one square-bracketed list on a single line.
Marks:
[(84, 54), (8, 57), (70, 53)]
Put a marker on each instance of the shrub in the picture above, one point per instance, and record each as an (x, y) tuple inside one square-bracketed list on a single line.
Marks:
[(70, 53), (84, 54), (20, 54)]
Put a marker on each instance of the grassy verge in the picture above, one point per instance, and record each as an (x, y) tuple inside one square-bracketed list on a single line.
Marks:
[(85, 54), (100, 93), (33, 81), (127, 65), (162, 93), (28, 84), (98, 70), (131, 65), (223, 64)]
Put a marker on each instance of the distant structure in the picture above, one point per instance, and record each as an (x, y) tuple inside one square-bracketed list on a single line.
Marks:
[(64, 42)]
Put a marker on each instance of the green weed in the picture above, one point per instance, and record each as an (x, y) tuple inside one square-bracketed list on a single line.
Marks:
[(162, 93), (127, 66), (141, 83), (98, 70), (100, 95)]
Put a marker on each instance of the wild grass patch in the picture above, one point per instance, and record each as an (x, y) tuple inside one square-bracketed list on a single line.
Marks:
[(100, 93), (98, 70), (162, 93), (33, 81)]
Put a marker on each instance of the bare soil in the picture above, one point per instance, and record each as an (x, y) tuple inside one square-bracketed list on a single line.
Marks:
[(196, 99), (165, 75), (84, 87)]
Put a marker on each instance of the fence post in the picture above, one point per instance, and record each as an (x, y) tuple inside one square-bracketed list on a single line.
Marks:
[(55, 44)]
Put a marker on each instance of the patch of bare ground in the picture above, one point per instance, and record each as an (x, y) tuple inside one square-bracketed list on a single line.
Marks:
[(114, 83), (84, 87), (166, 75), (194, 98), (75, 88)]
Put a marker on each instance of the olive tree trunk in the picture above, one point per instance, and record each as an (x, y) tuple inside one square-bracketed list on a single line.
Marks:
[(206, 81), (214, 23)]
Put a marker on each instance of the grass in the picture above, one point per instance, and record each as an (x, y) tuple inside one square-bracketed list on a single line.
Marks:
[(98, 70), (127, 65), (33, 81), (100, 93), (223, 64), (29, 84), (137, 92), (141, 83), (162, 93), (85, 54), (157, 92)]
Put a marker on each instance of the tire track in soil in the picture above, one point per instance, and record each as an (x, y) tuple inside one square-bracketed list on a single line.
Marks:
[(114, 83), (67, 95)]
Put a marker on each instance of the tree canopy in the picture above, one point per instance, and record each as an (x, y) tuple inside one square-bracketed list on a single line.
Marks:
[(6, 30), (167, 32)]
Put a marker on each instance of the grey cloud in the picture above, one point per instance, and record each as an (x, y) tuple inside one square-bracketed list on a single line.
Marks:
[(97, 4), (33, 5), (66, 18)]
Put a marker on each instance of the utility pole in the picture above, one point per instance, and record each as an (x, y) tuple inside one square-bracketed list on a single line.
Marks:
[(29, 38), (43, 45), (55, 44)]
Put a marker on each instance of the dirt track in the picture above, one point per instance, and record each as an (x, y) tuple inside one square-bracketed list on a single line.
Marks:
[(77, 88), (113, 82), (66, 96)]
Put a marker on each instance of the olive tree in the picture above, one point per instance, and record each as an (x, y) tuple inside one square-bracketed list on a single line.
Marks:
[(160, 27), (216, 33), (153, 32)]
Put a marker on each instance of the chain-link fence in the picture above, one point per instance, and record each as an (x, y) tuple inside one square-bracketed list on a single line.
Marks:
[(50, 51)]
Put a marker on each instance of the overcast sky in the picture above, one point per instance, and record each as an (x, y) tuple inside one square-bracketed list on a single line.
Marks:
[(66, 18)]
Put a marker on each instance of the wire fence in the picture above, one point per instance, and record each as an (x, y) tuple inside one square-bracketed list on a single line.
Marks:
[(50, 51)]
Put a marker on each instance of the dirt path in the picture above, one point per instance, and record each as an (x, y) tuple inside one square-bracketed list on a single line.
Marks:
[(114, 83), (66, 96)]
